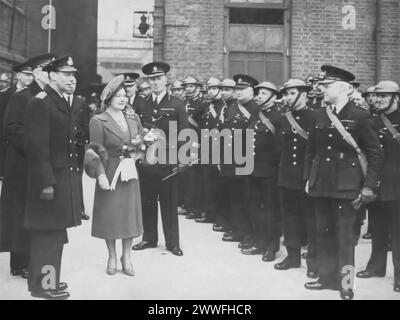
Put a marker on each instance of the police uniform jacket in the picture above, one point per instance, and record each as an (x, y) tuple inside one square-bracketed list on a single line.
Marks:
[(265, 143), (293, 147), (81, 118), (389, 187), (233, 117), (51, 153), (333, 167), (153, 115)]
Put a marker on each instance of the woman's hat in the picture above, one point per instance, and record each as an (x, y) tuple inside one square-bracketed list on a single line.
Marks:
[(112, 87)]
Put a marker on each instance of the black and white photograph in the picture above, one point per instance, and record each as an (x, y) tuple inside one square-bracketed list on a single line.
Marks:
[(220, 152)]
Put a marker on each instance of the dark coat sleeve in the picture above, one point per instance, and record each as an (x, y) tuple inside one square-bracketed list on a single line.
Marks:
[(370, 145), (37, 144), (310, 151), (14, 119), (97, 137)]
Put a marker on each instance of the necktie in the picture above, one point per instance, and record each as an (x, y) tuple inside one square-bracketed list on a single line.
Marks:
[(334, 109), (69, 101)]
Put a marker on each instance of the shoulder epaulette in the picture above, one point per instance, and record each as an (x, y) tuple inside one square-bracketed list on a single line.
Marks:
[(41, 95)]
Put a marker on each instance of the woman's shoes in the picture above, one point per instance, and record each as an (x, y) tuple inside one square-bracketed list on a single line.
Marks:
[(127, 270), (111, 270)]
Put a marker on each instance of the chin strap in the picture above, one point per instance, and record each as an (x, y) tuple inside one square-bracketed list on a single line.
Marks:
[(291, 107), (268, 100), (378, 111)]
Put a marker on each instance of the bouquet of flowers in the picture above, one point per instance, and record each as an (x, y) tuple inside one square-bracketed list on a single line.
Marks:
[(136, 147)]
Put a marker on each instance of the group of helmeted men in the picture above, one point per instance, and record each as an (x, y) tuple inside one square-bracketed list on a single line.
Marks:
[(322, 155)]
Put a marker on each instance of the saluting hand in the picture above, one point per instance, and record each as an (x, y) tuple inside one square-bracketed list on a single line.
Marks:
[(47, 194), (307, 188)]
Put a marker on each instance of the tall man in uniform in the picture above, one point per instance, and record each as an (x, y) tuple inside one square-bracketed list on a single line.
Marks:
[(157, 111), (53, 194), (384, 214), (343, 167), (298, 213), (238, 116), (13, 236), (262, 185), (209, 121), (192, 183)]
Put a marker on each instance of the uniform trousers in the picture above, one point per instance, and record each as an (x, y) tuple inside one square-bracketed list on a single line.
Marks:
[(298, 215), (209, 191), (193, 199), (385, 218), (152, 190), (19, 260), (336, 220), (239, 211), (263, 195), (46, 249)]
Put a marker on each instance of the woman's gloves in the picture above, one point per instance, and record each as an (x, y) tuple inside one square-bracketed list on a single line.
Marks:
[(103, 182)]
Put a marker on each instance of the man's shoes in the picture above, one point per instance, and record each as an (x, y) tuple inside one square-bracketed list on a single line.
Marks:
[(287, 264), (218, 228), (252, 251), (368, 274), (316, 285), (347, 294), (51, 295), (144, 245), (84, 216), (182, 212), (203, 219), (231, 238), (24, 273), (367, 236), (176, 251), (268, 256), (245, 245), (62, 286), (396, 287), (192, 216), (312, 274)]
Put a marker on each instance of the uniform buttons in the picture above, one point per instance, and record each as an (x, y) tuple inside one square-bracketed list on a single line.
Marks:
[(294, 155), (206, 123), (340, 207), (328, 159), (294, 148), (254, 140), (77, 169), (294, 140), (353, 164), (297, 118), (70, 155), (155, 111), (70, 141), (330, 135), (381, 145), (71, 169), (380, 136), (254, 153), (329, 147), (294, 163), (76, 128)]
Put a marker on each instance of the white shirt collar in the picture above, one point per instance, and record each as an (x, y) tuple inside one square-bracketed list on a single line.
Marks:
[(159, 97), (340, 105)]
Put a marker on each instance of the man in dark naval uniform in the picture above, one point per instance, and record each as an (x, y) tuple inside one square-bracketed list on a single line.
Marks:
[(262, 185), (343, 167), (298, 213), (157, 111), (236, 117), (384, 213), (13, 236), (53, 193)]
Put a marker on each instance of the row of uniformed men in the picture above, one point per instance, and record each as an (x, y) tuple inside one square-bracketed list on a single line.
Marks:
[(293, 147)]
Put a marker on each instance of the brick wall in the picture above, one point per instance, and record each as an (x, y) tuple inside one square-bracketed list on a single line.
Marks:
[(318, 37), (192, 37)]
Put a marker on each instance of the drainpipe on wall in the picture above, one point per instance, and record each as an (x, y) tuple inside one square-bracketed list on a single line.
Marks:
[(378, 40)]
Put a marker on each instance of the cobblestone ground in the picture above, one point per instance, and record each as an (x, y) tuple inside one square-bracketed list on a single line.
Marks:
[(209, 269)]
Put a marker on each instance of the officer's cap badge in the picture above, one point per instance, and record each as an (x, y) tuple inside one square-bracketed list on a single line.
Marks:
[(70, 62)]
